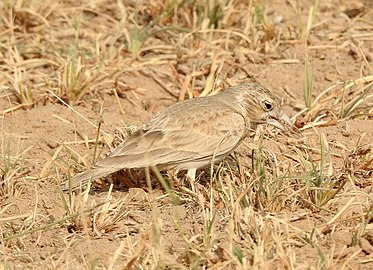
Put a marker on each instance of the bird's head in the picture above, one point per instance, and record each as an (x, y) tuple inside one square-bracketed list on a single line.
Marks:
[(261, 106)]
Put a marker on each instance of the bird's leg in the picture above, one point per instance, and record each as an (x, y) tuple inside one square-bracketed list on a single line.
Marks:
[(191, 176)]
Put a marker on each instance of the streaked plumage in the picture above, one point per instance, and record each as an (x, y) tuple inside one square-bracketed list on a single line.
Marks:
[(190, 134)]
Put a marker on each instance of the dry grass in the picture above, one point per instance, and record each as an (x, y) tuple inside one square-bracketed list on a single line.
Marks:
[(297, 202)]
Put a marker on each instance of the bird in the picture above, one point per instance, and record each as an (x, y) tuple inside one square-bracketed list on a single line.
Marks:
[(193, 134)]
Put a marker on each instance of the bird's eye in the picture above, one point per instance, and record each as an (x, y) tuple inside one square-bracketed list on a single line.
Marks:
[(267, 106)]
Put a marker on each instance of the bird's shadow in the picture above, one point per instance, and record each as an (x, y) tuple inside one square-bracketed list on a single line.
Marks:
[(176, 180), (126, 179), (135, 178)]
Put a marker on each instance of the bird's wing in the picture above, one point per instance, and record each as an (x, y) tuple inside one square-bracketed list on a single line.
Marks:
[(180, 139)]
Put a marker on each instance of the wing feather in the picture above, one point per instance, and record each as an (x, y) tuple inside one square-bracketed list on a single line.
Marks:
[(174, 145)]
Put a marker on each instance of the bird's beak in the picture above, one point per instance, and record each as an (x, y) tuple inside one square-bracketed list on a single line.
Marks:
[(281, 121)]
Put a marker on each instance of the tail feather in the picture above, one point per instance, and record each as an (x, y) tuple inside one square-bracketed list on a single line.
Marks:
[(82, 179)]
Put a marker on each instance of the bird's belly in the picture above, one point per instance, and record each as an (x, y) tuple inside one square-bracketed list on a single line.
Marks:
[(196, 164)]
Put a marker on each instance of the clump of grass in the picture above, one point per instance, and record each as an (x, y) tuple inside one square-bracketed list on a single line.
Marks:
[(268, 183), (212, 10), (260, 13), (102, 219), (341, 102), (304, 29), (138, 36), (76, 81), (359, 163), (19, 85), (11, 166), (319, 182)]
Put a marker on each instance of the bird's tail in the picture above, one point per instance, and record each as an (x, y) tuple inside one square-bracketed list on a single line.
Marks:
[(81, 180)]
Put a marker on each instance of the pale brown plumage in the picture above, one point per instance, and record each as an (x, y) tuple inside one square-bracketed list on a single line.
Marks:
[(191, 134)]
